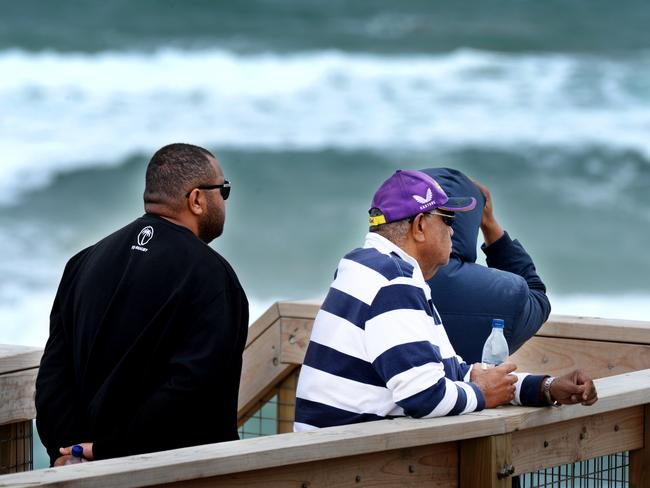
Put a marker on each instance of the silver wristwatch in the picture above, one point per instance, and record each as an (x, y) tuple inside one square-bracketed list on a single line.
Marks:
[(548, 381)]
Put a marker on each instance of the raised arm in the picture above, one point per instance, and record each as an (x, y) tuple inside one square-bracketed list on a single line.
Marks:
[(507, 255)]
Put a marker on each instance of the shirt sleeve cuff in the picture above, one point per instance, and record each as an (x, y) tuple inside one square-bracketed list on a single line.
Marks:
[(499, 246), (530, 388), (480, 399)]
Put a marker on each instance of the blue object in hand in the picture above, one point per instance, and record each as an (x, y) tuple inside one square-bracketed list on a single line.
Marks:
[(77, 455), (77, 451)]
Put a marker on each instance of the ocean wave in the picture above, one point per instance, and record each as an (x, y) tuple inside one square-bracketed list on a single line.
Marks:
[(62, 111)]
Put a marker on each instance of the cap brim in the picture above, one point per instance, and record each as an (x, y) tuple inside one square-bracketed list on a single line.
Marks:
[(459, 204)]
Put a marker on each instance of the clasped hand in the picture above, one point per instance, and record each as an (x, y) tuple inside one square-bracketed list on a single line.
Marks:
[(498, 386), (66, 454)]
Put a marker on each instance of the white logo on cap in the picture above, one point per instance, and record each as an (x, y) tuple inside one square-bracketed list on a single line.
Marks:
[(428, 198)]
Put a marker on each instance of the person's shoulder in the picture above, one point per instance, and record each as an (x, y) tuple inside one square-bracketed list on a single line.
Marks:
[(210, 266), (213, 259), (74, 262), (390, 266), (487, 284)]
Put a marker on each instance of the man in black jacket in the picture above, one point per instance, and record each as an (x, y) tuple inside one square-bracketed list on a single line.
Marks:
[(148, 326), (468, 295)]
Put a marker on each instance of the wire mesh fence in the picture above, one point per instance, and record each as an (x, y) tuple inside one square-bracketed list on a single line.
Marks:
[(16, 447), (276, 415), (603, 472)]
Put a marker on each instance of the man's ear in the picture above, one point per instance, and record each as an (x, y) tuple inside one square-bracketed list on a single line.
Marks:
[(195, 202), (417, 228)]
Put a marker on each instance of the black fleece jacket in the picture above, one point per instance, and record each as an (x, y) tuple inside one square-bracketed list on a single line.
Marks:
[(145, 349)]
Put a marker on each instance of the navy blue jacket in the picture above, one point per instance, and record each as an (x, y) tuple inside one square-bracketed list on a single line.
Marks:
[(469, 295)]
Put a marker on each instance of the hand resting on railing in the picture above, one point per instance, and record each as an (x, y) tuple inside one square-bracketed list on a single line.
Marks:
[(574, 387), (498, 386)]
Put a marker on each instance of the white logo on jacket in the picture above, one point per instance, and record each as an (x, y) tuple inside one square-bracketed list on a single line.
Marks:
[(144, 237)]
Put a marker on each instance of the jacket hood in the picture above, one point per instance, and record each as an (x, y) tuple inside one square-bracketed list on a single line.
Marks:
[(466, 224)]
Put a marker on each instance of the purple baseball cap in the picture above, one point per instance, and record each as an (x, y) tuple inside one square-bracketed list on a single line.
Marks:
[(408, 193)]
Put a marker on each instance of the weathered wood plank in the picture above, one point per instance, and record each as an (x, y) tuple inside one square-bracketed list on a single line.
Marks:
[(17, 396), (295, 339), (563, 326), (640, 458), (16, 358), (577, 440), (550, 355), (590, 328), (260, 453), (618, 392), (261, 368), (299, 309), (287, 402), (614, 393), (425, 466), (486, 462)]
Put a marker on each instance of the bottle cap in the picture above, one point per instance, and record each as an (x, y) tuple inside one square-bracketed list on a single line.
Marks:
[(77, 451), (497, 323)]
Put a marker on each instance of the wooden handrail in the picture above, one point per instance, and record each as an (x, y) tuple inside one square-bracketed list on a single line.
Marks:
[(275, 348), (596, 329), (277, 343), (267, 357), (18, 368), (628, 394), (278, 339)]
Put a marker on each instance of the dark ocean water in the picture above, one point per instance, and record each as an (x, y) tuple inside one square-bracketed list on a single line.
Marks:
[(285, 26), (309, 106)]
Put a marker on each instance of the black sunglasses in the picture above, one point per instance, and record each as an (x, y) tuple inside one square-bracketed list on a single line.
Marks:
[(225, 189), (448, 219)]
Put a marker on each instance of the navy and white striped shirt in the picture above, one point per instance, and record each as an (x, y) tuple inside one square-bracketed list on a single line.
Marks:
[(378, 348)]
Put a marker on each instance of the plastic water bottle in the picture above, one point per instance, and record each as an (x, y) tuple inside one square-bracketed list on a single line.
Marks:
[(77, 455), (495, 350)]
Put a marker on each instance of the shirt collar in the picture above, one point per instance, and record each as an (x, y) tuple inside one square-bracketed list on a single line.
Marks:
[(379, 242)]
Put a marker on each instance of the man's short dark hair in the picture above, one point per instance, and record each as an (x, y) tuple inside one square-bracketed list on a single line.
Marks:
[(174, 170)]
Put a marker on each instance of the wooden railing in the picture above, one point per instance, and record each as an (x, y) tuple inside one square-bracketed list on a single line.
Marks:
[(481, 449), (476, 450), (18, 368), (275, 348)]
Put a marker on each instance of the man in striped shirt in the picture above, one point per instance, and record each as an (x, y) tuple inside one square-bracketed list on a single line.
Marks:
[(378, 347)]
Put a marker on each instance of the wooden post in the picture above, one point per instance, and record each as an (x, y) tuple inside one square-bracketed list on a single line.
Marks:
[(486, 462), (287, 402), (640, 458)]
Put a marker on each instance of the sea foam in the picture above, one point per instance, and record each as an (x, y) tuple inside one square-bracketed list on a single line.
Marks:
[(63, 111)]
